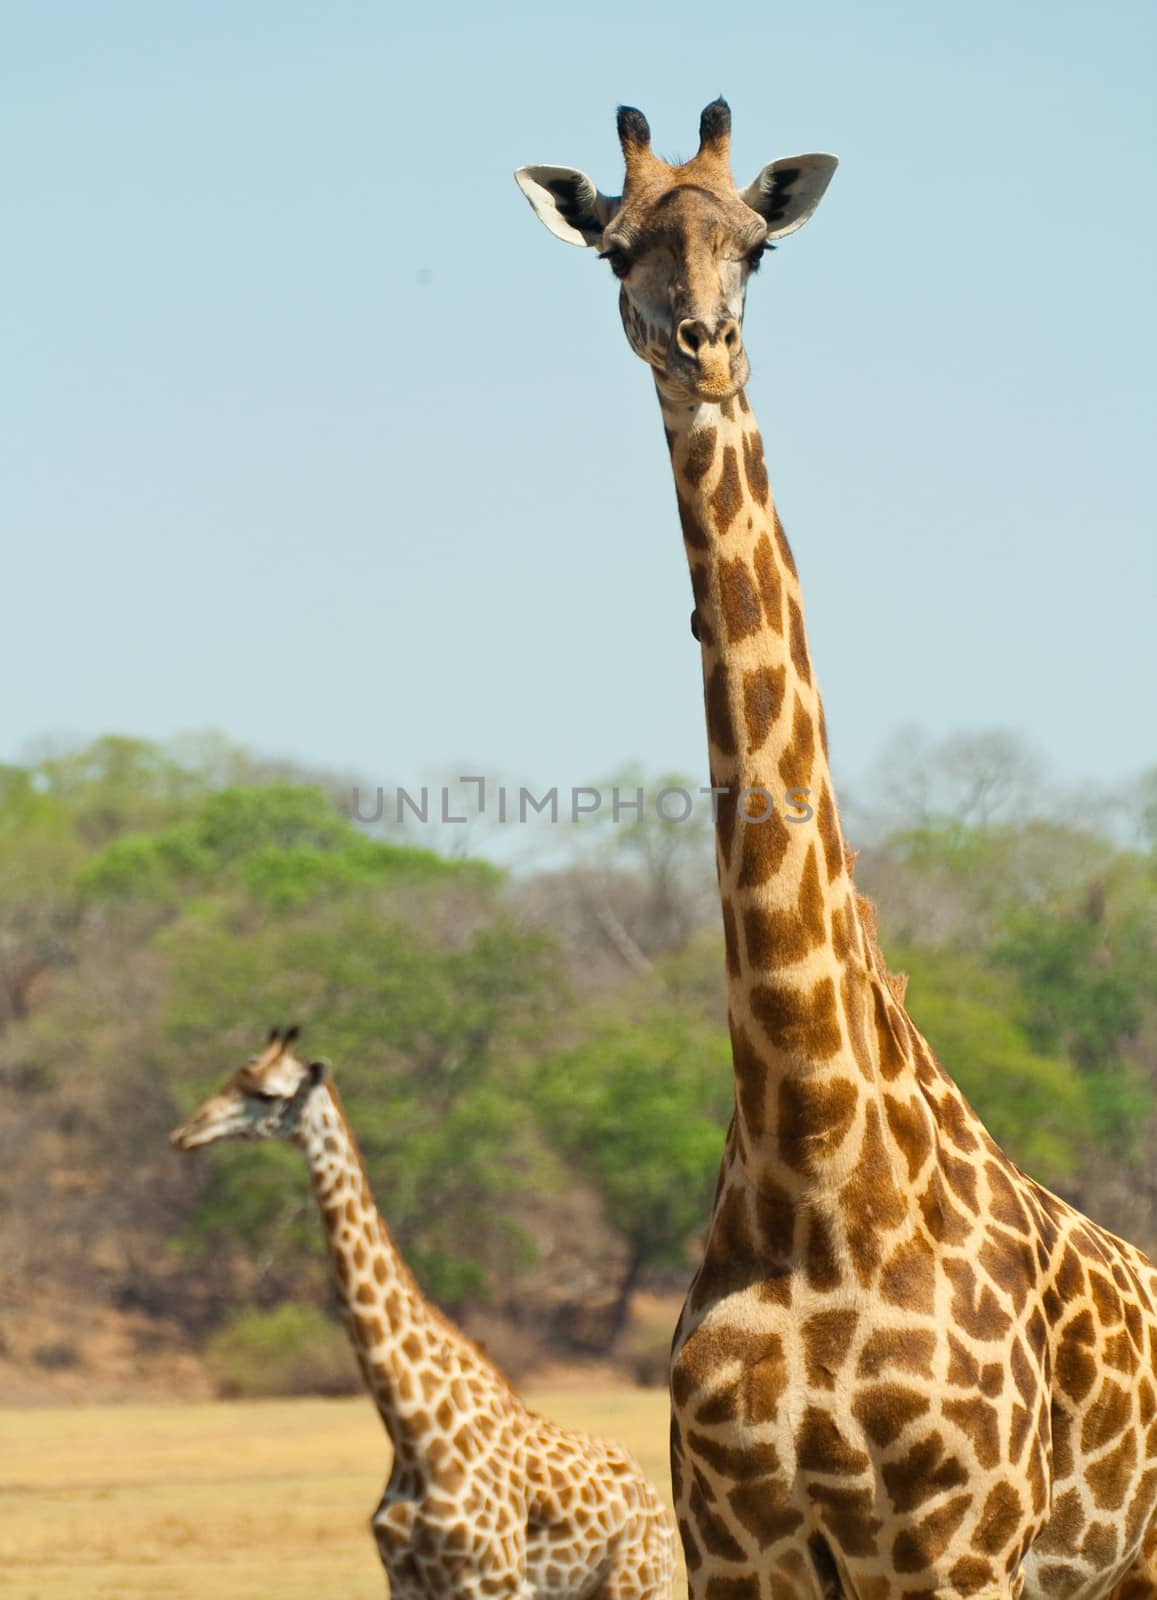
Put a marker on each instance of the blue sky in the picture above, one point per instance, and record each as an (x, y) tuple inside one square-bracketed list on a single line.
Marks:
[(311, 433)]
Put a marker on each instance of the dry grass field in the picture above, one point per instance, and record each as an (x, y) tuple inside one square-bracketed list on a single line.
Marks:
[(233, 1501)]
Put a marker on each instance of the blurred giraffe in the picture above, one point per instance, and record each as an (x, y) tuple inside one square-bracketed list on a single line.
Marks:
[(485, 1498)]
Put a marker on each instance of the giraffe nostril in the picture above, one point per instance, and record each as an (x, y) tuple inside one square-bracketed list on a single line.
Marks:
[(690, 336), (729, 333)]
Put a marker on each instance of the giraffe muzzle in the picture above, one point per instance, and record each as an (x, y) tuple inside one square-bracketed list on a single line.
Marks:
[(210, 1122), (186, 1136), (197, 1131), (710, 361)]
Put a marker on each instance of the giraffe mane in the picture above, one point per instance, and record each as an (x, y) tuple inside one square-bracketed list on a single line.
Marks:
[(897, 982)]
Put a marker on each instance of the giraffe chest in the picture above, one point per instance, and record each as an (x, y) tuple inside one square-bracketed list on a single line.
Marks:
[(879, 1436), (979, 1435)]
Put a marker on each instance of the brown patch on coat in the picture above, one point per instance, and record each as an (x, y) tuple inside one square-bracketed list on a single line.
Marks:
[(884, 1410), (905, 1349), (694, 535), (724, 808), (739, 600), (925, 1471), (1004, 1203), (827, 825), (908, 1277), (763, 693), (1076, 1364), (847, 1514), (765, 1510), (815, 1117), (827, 1338), (916, 1548), (755, 468), (731, 940), (970, 1574), (720, 726), (999, 1521), (727, 496), (908, 1123), (700, 455), (978, 1421), (820, 1262), (750, 1079), (797, 638), (795, 765), (764, 847), (767, 576), (871, 1202), (780, 938), (891, 1056), (821, 1447), (1109, 1478), (756, 1460), (943, 1221), (975, 1309), (803, 1023), (785, 554)]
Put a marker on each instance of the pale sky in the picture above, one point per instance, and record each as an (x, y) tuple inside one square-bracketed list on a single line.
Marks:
[(309, 432)]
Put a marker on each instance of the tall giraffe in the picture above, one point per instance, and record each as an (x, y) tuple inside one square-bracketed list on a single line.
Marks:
[(903, 1369), (485, 1499)]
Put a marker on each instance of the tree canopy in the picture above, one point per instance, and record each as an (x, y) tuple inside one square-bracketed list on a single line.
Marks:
[(526, 1059)]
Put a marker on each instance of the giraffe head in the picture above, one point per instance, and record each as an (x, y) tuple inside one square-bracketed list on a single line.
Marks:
[(683, 242), (265, 1099)]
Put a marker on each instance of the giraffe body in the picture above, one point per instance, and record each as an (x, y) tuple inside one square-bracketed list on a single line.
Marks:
[(485, 1498), (904, 1369)]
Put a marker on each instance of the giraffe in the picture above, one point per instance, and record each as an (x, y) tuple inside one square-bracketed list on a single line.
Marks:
[(903, 1369), (485, 1498)]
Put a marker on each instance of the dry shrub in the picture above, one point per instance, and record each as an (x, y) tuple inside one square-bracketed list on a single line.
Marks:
[(291, 1350)]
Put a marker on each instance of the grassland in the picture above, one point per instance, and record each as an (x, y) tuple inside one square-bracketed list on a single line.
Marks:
[(233, 1501)]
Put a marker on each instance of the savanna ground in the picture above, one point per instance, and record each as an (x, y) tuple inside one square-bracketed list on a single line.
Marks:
[(232, 1500)]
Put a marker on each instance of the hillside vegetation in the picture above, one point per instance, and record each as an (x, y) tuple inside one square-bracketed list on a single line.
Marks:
[(536, 1065)]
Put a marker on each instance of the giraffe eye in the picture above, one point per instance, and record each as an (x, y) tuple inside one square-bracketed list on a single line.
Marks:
[(263, 1094), (619, 260), (754, 257)]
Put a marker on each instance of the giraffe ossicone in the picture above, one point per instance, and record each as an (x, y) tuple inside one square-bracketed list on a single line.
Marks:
[(904, 1369), (485, 1498)]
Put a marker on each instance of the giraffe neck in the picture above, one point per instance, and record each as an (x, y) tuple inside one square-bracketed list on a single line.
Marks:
[(819, 1041), (396, 1335)]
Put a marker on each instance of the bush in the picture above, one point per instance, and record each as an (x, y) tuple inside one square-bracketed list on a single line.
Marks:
[(290, 1350), (56, 1356), (646, 1353)]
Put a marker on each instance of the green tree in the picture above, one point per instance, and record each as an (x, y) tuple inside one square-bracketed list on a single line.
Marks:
[(429, 1041), (116, 784), (640, 1107), (1086, 969), (40, 853), (283, 844), (1032, 1103)]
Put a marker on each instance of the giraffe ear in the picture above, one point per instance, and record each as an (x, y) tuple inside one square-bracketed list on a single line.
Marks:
[(318, 1071), (567, 202), (788, 191)]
